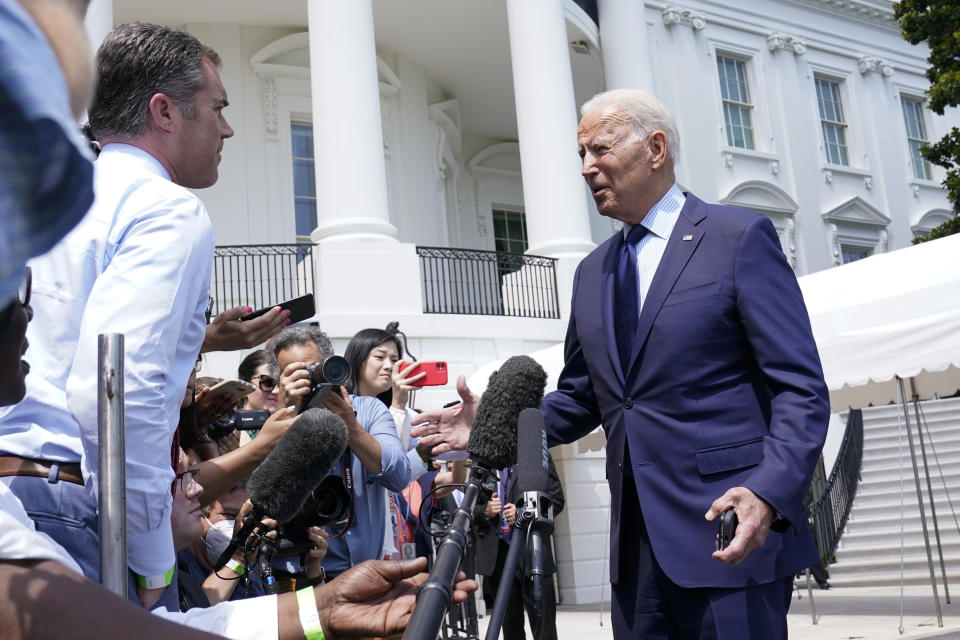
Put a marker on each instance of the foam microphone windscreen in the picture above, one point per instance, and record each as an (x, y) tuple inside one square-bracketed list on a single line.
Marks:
[(302, 458), (533, 466), (517, 385)]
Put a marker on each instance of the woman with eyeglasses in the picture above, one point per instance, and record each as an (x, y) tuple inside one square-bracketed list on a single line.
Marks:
[(256, 369)]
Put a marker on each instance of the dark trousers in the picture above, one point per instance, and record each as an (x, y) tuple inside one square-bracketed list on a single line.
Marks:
[(647, 604), (543, 624)]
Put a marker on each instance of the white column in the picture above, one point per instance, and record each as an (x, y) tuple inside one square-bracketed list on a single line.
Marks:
[(347, 135), (98, 22), (556, 211), (624, 44)]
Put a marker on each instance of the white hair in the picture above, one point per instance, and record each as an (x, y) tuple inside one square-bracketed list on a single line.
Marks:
[(645, 111)]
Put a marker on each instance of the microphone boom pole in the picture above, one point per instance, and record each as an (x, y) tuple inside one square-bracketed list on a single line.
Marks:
[(435, 594)]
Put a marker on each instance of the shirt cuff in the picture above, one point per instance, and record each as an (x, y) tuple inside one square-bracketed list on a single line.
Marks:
[(250, 619), (151, 553), (417, 468)]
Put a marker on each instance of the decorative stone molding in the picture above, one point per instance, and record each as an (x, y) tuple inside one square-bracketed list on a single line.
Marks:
[(872, 63), (791, 242), (884, 241), (835, 244), (827, 176), (727, 160), (678, 15), (781, 41), (774, 167), (915, 189), (270, 121), (868, 183)]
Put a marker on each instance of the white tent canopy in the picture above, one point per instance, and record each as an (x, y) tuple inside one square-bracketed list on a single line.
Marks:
[(892, 314)]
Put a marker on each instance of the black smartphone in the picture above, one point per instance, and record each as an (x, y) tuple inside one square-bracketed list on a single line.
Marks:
[(726, 528), (300, 309)]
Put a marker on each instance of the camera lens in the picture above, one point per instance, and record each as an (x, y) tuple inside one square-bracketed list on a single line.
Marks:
[(336, 370)]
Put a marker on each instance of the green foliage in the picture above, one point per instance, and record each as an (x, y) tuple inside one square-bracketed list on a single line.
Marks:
[(937, 22), (948, 228)]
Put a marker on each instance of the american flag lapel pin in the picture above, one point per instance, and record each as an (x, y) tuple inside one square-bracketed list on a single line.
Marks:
[(687, 237)]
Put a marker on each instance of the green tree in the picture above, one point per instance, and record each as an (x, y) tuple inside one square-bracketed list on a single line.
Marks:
[(938, 23)]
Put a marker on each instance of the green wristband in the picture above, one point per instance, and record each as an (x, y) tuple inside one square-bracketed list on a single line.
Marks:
[(309, 615), (156, 582)]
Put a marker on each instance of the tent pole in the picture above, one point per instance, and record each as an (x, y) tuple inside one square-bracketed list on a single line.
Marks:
[(926, 471), (916, 477)]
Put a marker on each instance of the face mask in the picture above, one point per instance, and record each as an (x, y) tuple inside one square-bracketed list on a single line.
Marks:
[(217, 539)]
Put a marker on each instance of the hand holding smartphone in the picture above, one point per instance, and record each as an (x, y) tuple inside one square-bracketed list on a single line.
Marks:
[(436, 373), (726, 528), (300, 309)]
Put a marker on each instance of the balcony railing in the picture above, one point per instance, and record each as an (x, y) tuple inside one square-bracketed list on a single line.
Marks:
[(260, 275), (474, 282), (830, 508)]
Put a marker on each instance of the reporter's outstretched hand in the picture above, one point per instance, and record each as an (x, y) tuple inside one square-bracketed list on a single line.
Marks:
[(227, 333), (447, 429), (376, 598), (277, 425)]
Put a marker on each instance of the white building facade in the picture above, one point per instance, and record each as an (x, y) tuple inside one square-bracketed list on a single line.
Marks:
[(371, 130)]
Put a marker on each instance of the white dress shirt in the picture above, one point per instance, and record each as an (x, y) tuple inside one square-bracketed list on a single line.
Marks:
[(138, 264), (659, 222), (254, 618)]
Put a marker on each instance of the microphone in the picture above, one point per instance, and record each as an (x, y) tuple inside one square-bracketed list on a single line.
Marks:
[(533, 473), (288, 475), (518, 384)]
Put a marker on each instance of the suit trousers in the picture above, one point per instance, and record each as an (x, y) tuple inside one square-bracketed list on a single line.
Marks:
[(648, 605), (542, 624), (65, 512)]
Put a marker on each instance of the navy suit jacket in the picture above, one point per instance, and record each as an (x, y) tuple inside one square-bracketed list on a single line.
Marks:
[(724, 389)]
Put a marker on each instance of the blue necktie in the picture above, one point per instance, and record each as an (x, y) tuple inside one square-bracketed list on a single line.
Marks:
[(626, 311)]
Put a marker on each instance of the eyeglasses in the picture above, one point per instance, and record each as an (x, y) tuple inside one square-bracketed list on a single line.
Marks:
[(187, 480), (22, 296), (267, 383)]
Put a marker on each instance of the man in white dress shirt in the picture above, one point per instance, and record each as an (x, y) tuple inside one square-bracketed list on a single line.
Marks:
[(138, 264)]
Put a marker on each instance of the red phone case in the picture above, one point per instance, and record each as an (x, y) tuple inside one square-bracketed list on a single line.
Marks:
[(436, 373)]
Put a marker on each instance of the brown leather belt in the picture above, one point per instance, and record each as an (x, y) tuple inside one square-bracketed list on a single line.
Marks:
[(16, 466)]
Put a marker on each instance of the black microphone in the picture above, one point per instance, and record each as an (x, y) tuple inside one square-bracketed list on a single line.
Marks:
[(517, 385), (288, 475), (533, 474)]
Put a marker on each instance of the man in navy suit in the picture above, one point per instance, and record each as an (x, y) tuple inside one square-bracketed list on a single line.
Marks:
[(690, 343)]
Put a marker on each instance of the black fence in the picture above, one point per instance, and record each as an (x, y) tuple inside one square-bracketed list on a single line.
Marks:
[(260, 275), (830, 508), (474, 282)]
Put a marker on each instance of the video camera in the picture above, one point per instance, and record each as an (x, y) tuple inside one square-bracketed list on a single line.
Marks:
[(330, 503), (326, 376), (237, 419)]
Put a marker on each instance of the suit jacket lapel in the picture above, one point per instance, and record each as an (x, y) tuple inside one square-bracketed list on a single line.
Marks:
[(608, 301), (672, 264)]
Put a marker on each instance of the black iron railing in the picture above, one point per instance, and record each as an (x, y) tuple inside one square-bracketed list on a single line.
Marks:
[(830, 507), (260, 275), (474, 282)]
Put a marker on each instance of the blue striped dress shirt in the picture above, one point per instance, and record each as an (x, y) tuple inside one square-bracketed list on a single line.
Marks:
[(659, 222)]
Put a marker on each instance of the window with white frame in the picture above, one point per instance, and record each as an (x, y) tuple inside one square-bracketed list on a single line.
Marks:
[(735, 96), (833, 127), (852, 253), (304, 183), (509, 230), (916, 135)]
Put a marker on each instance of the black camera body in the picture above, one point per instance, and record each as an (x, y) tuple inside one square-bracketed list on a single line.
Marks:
[(237, 419), (326, 376), (329, 503)]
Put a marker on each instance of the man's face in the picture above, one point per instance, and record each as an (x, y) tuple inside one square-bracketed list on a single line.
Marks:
[(305, 353), (618, 167), (199, 140), (227, 507)]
